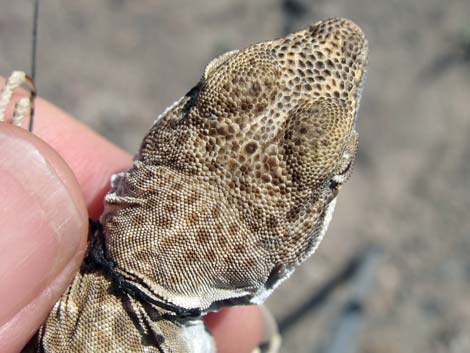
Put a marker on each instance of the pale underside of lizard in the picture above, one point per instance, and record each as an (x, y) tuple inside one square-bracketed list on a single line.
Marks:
[(233, 187)]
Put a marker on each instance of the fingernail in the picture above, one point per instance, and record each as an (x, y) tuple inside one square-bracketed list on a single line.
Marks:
[(270, 337), (40, 223)]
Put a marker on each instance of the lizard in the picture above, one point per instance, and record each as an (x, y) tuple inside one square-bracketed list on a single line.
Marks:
[(233, 187)]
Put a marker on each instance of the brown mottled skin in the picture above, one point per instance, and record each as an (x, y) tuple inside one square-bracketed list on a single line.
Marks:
[(232, 188)]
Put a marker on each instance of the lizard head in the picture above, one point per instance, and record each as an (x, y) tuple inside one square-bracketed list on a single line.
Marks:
[(235, 184)]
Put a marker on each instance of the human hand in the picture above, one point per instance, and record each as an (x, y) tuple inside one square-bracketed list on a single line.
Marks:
[(49, 183)]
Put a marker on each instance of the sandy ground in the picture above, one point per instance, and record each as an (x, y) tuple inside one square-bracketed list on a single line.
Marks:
[(116, 64)]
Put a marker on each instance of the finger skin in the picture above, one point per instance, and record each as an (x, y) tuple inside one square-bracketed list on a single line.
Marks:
[(43, 233), (236, 329), (93, 160)]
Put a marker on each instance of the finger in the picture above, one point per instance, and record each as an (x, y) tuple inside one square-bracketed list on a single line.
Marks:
[(43, 232), (237, 329)]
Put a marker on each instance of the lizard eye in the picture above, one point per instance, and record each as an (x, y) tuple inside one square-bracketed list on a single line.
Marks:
[(215, 63), (237, 85), (344, 168), (341, 177), (347, 168)]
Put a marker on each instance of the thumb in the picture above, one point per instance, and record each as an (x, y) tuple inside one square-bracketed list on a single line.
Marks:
[(43, 231)]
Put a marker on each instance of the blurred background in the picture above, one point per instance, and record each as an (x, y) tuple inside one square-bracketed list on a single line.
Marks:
[(116, 64)]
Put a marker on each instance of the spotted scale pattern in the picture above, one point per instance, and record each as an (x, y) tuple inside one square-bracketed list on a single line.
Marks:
[(232, 188)]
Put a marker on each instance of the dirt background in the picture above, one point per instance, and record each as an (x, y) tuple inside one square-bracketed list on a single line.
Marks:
[(116, 64)]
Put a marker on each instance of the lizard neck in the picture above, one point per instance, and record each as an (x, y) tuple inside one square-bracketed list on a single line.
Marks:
[(178, 254), (119, 322), (97, 261)]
